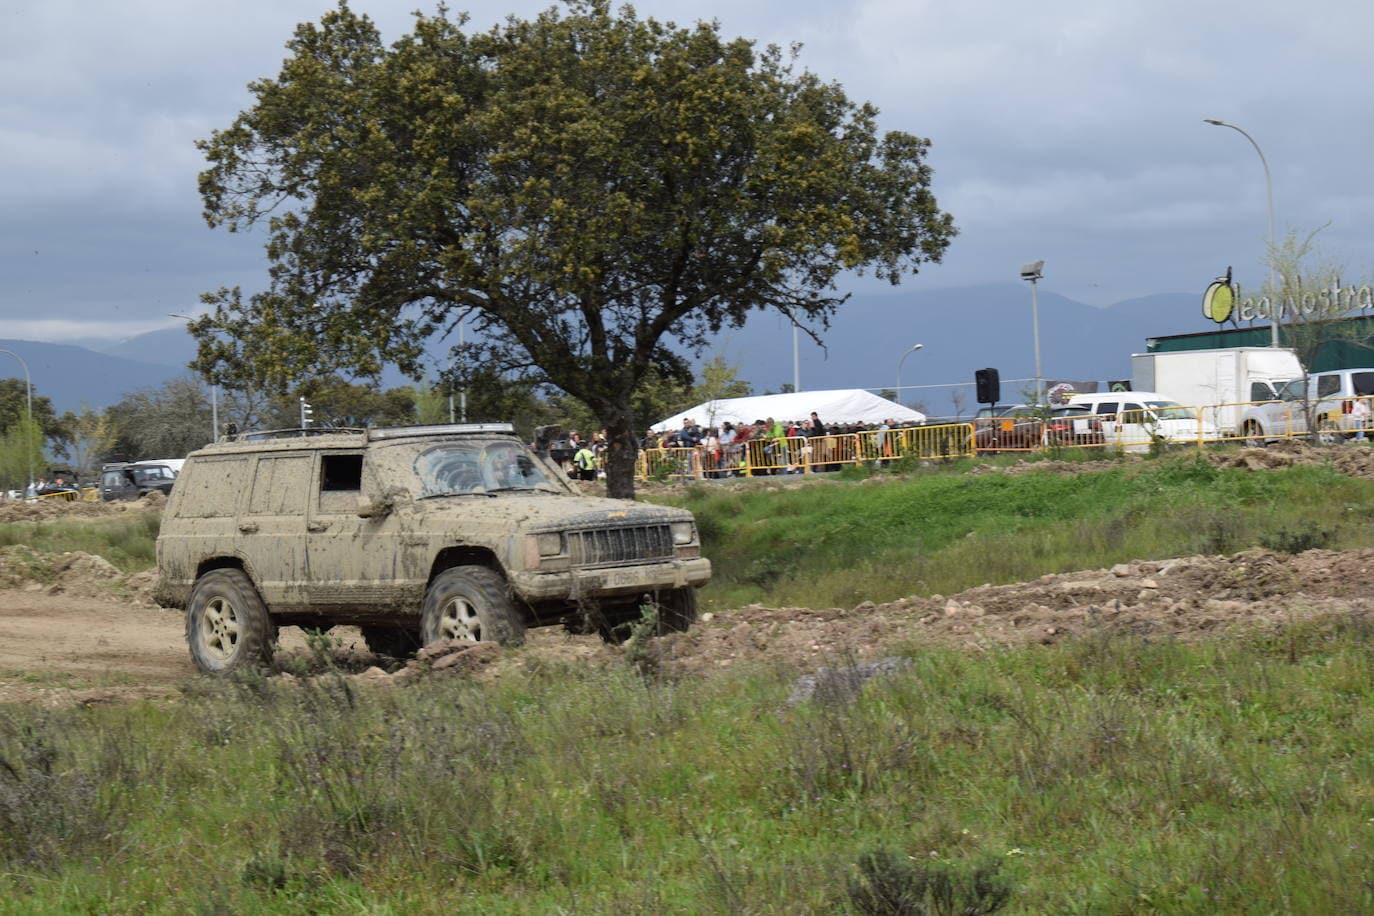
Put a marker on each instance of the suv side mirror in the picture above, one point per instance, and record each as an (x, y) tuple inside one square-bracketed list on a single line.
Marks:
[(378, 506), (368, 507)]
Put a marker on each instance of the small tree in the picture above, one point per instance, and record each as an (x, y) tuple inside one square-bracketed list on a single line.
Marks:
[(21, 454), (597, 193), (91, 436), (1303, 292)]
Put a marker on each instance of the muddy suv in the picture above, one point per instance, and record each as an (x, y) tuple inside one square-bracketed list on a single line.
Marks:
[(414, 534)]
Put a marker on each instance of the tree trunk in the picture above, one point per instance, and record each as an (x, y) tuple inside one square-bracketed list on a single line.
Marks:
[(622, 452)]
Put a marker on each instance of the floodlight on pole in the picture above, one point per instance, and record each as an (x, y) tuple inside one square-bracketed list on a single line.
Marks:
[(1269, 196), (913, 349), (1033, 272)]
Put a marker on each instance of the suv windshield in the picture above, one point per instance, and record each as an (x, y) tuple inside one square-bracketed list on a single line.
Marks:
[(477, 467), (1167, 410)]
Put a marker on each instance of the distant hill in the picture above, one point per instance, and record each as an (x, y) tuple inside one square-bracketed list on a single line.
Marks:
[(75, 376), (960, 330), (167, 347)]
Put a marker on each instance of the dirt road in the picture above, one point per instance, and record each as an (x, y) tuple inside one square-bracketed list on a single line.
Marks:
[(59, 649)]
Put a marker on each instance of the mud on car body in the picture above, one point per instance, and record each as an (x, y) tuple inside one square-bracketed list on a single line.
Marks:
[(414, 534)]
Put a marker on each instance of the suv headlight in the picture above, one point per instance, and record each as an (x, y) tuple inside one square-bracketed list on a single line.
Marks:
[(684, 533), (549, 544)]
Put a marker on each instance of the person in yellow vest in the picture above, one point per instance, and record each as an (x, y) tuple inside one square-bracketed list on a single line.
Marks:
[(584, 463)]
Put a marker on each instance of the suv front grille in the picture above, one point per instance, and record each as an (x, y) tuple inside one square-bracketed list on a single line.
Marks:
[(619, 545)]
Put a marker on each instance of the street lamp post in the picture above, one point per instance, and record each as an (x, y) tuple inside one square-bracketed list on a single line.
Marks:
[(914, 348), (1033, 272), (28, 403), (1269, 196)]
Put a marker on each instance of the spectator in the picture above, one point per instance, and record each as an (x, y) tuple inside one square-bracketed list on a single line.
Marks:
[(584, 463)]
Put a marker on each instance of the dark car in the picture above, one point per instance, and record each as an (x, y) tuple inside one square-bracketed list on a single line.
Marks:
[(134, 480), (1014, 427), (1073, 426)]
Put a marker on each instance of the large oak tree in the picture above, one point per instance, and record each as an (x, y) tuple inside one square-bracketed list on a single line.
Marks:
[(596, 193)]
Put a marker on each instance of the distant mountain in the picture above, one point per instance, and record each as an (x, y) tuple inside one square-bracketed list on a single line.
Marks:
[(167, 347), (960, 330), (75, 376)]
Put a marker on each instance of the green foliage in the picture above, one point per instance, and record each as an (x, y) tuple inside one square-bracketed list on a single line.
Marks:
[(161, 422), (890, 884), (21, 455), (126, 541), (585, 187), (14, 409), (943, 530), (1106, 775)]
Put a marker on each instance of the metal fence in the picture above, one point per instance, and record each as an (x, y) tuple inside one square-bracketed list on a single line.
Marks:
[(1136, 429)]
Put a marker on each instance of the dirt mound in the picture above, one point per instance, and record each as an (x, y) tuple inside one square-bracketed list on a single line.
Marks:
[(1186, 598), (72, 573), (18, 510)]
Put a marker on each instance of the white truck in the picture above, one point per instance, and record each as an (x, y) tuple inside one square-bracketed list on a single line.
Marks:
[(1221, 382)]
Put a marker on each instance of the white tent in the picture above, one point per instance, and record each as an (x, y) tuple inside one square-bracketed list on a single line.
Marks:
[(849, 405)]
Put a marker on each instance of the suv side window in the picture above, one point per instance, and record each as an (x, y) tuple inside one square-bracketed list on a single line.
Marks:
[(1328, 385), (1107, 409), (280, 485), (214, 487), (341, 480), (1363, 383)]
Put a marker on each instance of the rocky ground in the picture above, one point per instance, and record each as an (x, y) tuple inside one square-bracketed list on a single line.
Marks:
[(73, 629)]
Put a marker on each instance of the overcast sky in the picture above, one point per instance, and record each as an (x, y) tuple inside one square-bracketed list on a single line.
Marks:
[(1068, 131)]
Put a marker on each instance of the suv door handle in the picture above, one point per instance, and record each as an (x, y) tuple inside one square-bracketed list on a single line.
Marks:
[(248, 527), (316, 526)]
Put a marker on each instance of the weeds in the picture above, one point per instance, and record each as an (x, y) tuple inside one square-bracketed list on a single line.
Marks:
[(889, 884)]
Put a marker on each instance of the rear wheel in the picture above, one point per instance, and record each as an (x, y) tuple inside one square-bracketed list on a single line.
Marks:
[(471, 604), (227, 625)]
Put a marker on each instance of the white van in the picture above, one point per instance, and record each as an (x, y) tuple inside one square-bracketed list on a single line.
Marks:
[(1133, 419)]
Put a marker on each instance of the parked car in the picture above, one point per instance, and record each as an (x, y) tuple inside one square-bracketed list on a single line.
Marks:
[(1009, 427), (134, 480), (1073, 425), (416, 535), (1332, 397), (1133, 420)]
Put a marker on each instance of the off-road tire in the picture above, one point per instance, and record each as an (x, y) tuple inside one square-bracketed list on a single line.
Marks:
[(227, 624), (470, 603), (677, 610), (393, 642)]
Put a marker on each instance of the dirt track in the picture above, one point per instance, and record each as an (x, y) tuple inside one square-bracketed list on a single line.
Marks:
[(96, 636)]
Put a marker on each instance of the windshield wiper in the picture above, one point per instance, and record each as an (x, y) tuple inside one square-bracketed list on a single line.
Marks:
[(519, 489), (466, 493)]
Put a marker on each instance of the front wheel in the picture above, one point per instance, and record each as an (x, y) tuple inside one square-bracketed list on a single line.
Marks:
[(1253, 437), (677, 610), (227, 625), (470, 604)]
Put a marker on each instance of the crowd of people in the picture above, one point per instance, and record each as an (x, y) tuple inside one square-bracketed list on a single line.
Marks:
[(766, 446), (789, 447)]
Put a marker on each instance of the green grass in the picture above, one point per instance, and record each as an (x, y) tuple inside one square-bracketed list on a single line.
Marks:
[(1105, 776), (837, 544), (126, 540)]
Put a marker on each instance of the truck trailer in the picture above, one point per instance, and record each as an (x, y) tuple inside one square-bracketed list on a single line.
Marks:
[(1222, 382)]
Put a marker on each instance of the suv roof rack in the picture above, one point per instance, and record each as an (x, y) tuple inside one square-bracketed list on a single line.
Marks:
[(257, 435), (437, 429)]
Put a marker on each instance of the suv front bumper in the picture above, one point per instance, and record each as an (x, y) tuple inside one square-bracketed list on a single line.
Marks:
[(535, 586)]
